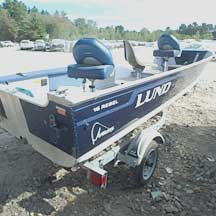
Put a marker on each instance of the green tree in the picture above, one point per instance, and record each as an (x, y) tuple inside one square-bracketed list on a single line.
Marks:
[(19, 22), (56, 13), (37, 27), (34, 10), (80, 22), (16, 9), (8, 28), (119, 29), (214, 35)]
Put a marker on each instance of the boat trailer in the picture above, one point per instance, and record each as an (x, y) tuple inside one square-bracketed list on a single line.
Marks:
[(140, 153)]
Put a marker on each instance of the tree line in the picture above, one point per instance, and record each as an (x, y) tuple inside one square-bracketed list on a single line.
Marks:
[(18, 22)]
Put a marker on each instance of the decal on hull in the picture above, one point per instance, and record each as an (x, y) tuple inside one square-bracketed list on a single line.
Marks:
[(152, 94), (99, 130), (105, 106)]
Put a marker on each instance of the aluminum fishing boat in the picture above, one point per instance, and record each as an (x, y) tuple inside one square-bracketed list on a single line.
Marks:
[(73, 115)]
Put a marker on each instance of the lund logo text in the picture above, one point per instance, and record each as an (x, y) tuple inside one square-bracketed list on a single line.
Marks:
[(152, 94)]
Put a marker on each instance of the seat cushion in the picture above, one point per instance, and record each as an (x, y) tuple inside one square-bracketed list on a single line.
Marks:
[(100, 72), (166, 53)]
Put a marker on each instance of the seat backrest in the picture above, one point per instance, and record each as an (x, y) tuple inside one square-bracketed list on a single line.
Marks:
[(130, 56), (168, 47), (91, 52), (94, 61), (168, 42), (129, 53)]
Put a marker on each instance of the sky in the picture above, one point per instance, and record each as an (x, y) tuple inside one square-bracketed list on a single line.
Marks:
[(134, 14)]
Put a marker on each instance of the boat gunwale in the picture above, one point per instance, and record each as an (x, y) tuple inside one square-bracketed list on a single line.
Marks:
[(115, 89)]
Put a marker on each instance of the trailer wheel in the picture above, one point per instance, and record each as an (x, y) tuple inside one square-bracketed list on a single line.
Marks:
[(148, 165)]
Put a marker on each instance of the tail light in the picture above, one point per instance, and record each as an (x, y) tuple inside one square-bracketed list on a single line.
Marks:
[(97, 179)]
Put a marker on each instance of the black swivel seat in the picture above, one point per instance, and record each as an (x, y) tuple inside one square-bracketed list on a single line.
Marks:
[(131, 58)]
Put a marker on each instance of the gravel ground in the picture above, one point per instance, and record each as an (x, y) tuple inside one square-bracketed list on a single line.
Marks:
[(184, 182)]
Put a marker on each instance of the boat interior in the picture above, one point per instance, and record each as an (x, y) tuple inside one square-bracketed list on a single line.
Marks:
[(95, 73)]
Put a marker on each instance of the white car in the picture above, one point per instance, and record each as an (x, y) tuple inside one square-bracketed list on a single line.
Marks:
[(7, 44), (57, 45), (40, 45), (26, 45)]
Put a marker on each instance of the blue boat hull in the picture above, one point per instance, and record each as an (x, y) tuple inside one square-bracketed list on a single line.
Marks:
[(88, 125)]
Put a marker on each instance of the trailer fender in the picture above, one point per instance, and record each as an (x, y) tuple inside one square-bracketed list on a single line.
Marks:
[(145, 142)]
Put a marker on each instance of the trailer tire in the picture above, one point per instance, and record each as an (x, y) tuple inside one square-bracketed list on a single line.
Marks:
[(146, 169)]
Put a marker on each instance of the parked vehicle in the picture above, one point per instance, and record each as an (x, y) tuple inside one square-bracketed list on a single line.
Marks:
[(26, 45), (7, 44), (40, 45), (57, 45)]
